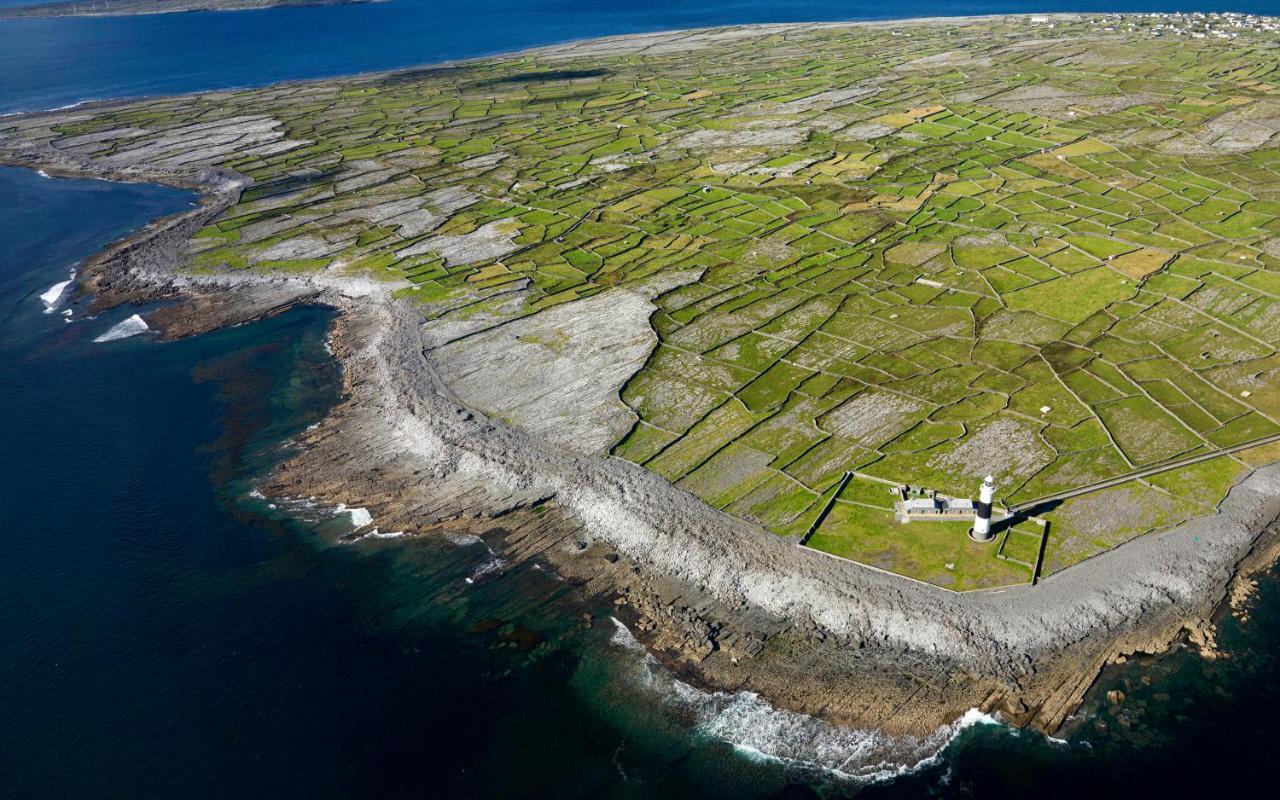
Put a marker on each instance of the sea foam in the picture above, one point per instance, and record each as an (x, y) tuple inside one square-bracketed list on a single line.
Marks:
[(759, 732), (122, 330), (53, 295), (377, 534), (492, 567)]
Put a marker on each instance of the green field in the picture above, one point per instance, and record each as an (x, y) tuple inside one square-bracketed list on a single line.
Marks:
[(937, 552), (926, 254)]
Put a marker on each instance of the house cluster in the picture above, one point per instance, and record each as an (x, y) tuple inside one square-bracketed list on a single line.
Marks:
[(1198, 25)]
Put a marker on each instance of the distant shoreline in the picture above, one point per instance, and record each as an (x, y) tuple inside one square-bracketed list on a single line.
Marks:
[(550, 48), (131, 8)]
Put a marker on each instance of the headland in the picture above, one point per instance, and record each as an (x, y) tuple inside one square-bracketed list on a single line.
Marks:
[(642, 304)]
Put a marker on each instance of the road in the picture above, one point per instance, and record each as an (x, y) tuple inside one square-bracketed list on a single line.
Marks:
[(1142, 473)]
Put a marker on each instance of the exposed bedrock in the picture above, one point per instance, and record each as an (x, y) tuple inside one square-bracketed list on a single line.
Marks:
[(557, 374), (488, 421), (720, 600), (728, 603)]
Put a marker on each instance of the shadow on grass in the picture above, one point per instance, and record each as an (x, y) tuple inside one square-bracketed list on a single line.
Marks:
[(544, 76)]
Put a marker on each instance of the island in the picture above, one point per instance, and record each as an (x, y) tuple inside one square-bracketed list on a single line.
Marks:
[(885, 370), (125, 8)]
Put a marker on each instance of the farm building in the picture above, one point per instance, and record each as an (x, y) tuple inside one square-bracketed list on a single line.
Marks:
[(917, 503), (921, 505)]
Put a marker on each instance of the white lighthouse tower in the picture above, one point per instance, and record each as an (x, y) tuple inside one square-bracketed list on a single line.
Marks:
[(982, 511)]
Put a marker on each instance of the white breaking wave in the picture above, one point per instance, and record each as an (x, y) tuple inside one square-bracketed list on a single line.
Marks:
[(461, 539), (759, 731), (130, 327), (53, 295), (377, 534), (491, 567), (360, 517), (42, 173), (32, 110), (623, 637)]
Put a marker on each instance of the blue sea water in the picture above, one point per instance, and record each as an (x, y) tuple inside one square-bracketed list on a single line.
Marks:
[(165, 634), (54, 62), (162, 633)]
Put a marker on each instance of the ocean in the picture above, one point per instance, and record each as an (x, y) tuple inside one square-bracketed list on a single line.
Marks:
[(47, 63), (166, 632)]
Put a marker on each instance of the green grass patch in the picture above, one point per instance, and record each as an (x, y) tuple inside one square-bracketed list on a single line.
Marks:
[(936, 552), (1073, 298)]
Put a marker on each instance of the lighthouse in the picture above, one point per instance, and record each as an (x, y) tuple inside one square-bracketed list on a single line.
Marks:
[(982, 511)]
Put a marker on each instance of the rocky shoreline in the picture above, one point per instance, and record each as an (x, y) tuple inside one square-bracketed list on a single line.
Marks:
[(720, 601), (730, 607)]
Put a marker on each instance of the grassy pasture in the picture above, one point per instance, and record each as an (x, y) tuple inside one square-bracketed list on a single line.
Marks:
[(876, 249), (936, 552)]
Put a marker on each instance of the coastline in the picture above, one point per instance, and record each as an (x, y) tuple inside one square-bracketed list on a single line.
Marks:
[(401, 446), (499, 55), (131, 8)]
